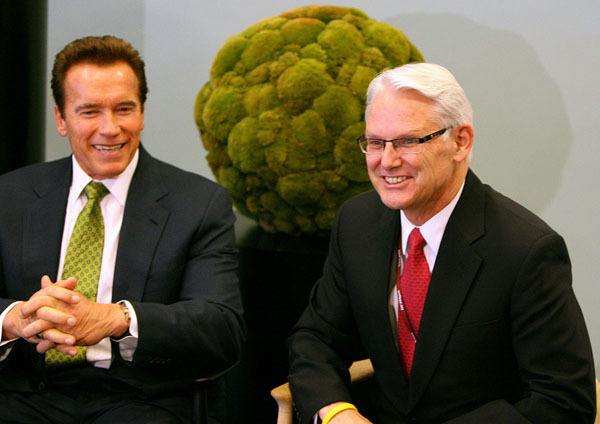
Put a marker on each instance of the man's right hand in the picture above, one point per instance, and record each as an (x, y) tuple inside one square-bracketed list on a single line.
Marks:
[(347, 416), (40, 315)]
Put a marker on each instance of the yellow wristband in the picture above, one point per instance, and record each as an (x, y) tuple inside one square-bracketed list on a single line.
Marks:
[(336, 410)]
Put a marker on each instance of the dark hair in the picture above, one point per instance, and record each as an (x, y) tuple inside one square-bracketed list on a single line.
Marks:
[(99, 50)]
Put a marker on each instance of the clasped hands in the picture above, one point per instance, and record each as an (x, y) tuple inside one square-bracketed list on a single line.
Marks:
[(58, 317)]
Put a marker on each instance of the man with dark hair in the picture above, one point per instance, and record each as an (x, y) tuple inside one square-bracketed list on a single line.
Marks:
[(118, 280), (461, 298), (102, 50)]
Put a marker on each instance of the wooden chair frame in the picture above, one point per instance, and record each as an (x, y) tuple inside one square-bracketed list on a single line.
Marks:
[(360, 370)]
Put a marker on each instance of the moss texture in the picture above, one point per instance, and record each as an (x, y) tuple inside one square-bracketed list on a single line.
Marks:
[(283, 107)]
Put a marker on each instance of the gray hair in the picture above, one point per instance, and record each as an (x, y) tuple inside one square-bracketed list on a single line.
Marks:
[(432, 81)]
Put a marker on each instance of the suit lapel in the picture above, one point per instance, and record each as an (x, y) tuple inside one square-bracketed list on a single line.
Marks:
[(143, 222), (455, 269), (43, 225)]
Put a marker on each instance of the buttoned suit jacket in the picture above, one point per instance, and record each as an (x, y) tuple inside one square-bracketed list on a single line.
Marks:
[(176, 263), (502, 338)]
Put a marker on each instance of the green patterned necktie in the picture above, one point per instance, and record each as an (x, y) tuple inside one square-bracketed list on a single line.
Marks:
[(83, 260)]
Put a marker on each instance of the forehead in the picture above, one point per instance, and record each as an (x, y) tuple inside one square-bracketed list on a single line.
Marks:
[(87, 76), (400, 110)]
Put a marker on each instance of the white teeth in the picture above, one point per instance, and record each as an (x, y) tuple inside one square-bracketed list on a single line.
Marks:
[(394, 180), (108, 148)]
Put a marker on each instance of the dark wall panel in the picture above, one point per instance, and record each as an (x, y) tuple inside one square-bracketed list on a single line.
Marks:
[(22, 82)]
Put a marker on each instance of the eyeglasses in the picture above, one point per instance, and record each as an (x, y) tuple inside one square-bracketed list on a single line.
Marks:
[(372, 146)]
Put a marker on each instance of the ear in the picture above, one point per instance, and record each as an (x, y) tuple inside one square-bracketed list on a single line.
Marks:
[(464, 142), (61, 125)]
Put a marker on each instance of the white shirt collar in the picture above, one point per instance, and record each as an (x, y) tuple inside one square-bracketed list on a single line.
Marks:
[(432, 230), (117, 186)]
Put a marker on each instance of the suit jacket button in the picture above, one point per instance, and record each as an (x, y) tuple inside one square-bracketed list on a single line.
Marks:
[(41, 386)]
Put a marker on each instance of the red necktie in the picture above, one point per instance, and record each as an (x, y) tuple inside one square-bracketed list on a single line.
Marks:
[(412, 285)]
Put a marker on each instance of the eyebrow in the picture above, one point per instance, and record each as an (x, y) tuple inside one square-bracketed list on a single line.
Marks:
[(412, 133), (85, 106), (395, 138), (127, 103)]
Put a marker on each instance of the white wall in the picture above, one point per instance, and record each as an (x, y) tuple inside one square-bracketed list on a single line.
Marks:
[(530, 69)]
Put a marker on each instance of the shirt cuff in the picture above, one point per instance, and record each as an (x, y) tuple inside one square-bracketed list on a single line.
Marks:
[(5, 345), (128, 343)]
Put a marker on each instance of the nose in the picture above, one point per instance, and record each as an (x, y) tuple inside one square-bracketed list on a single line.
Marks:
[(390, 158), (109, 127)]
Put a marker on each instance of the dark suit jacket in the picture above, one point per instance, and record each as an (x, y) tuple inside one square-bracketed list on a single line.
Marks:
[(502, 338), (175, 263)]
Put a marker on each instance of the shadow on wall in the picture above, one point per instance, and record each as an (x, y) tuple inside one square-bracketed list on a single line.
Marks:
[(522, 133)]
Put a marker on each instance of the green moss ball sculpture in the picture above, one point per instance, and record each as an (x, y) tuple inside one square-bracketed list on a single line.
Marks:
[(283, 107)]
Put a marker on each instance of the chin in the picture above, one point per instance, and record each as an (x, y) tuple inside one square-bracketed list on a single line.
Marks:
[(108, 172), (392, 203), (393, 199)]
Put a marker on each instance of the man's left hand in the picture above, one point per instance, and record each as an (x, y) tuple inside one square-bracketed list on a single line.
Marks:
[(95, 321)]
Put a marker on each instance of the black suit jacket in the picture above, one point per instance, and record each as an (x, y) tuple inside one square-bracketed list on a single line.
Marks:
[(502, 338), (175, 263)]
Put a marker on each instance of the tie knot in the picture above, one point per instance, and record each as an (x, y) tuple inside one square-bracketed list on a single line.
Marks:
[(415, 241), (95, 191)]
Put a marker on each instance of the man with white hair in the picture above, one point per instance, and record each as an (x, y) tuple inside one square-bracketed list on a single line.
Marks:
[(461, 298)]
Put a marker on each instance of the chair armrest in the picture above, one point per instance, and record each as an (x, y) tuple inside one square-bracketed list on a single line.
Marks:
[(359, 371), (200, 396), (283, 397)]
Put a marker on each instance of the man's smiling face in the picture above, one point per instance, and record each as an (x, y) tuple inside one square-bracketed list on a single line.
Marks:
[(102, 117), (421, 183)]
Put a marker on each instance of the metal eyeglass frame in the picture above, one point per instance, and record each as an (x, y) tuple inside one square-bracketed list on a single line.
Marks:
[(397, 143)]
